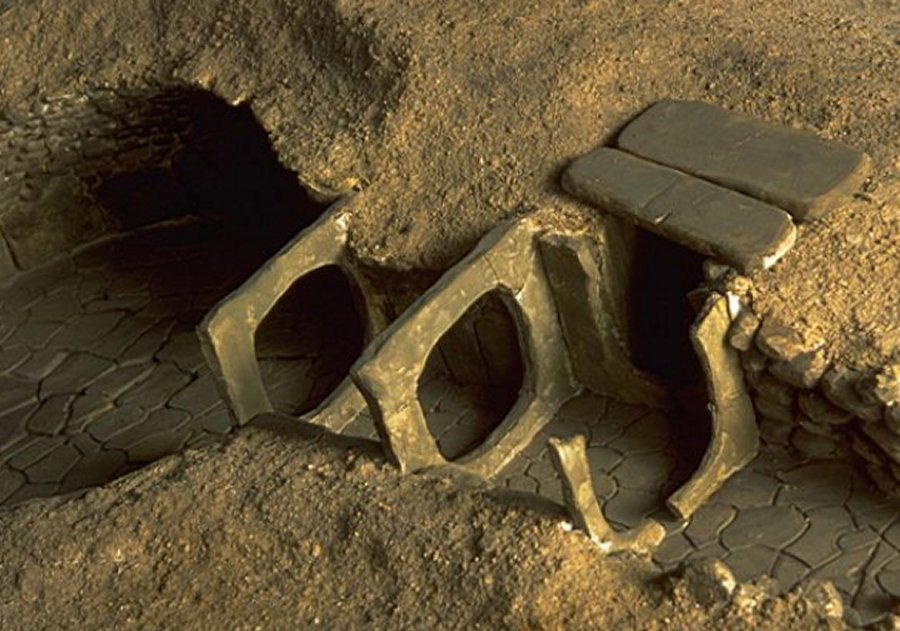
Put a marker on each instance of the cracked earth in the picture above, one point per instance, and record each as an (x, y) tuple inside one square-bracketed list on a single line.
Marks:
[(102, 372)]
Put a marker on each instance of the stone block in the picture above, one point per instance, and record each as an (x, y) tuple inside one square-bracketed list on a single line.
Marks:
[(743, 329), (838, 385), (741, 231), (777, 341), (772, 388), (793, 169), (754, 361), (885, 440), (815, 445), (774, 409), (803, 371), (821, 411)]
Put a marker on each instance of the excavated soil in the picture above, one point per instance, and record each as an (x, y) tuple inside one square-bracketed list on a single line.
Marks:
[(273, 531), (448, 116), (453, 115)]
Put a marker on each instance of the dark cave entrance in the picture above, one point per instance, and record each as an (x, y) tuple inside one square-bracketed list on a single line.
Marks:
[(664, 273), (473, 377)]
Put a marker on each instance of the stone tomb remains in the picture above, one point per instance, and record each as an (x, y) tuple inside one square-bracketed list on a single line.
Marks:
[(721, 184)]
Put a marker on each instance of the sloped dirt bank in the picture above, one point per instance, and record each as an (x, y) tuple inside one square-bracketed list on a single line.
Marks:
[(273, 531)]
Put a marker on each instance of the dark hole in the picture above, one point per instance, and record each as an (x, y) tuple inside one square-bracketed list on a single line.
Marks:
[(309, 340), (123, 311), (193, 154), (661, 316), (473, 377)]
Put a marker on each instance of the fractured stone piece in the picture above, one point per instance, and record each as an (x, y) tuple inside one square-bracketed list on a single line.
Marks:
[(743, 329), (735, 435), (741, 231), (838, 386), (571, 463), (506, 260), (820, 410), (803, 371), (227, 332), (887, 441), (777, 341), (892, 417), (595, 338), (796, 170)]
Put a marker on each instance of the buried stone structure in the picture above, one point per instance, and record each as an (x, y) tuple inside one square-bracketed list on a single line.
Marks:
[(720, 184), (113, 374)]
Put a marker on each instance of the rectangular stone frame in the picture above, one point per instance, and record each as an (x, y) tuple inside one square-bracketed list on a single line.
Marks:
[(507, 260), (227, 333)]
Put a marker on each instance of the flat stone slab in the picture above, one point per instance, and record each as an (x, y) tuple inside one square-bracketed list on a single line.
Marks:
[(798, 171), (739, 230)]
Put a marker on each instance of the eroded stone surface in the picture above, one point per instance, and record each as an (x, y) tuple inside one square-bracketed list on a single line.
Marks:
[(742, 231), (798, 171)]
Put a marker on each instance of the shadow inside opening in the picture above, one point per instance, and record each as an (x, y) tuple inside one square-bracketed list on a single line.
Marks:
[(473, 377)]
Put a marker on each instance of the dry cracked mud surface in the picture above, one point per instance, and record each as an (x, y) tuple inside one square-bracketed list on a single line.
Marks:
[(102, 372)]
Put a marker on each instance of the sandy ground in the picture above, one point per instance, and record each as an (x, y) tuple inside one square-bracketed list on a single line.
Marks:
[(272, 531), (450, 116)]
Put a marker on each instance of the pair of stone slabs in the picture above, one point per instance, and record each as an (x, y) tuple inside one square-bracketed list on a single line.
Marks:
[(720, 183)]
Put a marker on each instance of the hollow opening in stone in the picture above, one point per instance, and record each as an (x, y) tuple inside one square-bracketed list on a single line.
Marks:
[(473, 377), (309, 340), (152, 206), (663, 274)]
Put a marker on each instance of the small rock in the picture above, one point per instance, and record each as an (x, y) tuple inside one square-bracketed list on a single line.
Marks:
[(743, 329), (750, 597), (753, 361), (822, 597), (803, 371), (714, 270), (887, 385), (773, 388), (821, 411), (777, 341), (709, 583), (774, 409), (820, 429), (839, 388)]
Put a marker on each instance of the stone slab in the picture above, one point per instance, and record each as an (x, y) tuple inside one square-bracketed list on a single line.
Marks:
[(804, 174), (744, 232)]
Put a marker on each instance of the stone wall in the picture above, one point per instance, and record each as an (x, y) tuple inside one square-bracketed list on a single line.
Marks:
[(823, 409), (80, 167)]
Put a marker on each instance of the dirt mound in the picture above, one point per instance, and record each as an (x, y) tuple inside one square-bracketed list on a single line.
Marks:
[(272, 531)]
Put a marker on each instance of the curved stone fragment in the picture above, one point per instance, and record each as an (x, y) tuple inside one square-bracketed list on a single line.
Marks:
[(227, 332), (571, 462), (506, 260), (735, 435)]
